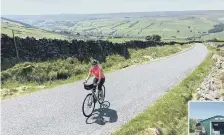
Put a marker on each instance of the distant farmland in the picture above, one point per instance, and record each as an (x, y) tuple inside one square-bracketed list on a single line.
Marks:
[(170, 25), (23, 31)]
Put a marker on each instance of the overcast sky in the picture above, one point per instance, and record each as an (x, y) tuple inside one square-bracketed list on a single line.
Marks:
[(31, 7)]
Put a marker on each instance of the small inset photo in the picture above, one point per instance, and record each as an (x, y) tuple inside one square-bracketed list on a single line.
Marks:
[(206, 118)]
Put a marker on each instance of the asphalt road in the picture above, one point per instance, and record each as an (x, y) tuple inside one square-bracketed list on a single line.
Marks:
[(58, 111)]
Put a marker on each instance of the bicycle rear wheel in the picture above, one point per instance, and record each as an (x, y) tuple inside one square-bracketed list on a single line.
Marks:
[(88, 105), (101, 95)]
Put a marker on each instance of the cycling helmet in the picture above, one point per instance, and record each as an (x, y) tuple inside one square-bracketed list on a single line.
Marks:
[(94, 62)]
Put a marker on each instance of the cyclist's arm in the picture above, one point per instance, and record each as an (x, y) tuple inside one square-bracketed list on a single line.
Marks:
[(100, 72), (88, 76), (99, 76)]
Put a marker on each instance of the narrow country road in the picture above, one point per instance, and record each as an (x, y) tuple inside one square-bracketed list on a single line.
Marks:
[(58, 111)]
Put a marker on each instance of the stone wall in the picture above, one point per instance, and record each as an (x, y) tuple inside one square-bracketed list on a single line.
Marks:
[(211, 88)]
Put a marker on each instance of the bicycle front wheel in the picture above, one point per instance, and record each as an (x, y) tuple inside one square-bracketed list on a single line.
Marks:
[(88, 105)]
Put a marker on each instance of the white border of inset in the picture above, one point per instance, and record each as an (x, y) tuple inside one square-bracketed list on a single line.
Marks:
[(196, 101)]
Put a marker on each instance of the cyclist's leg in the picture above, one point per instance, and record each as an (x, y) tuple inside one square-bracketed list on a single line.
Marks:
[(101, 84), (95, 80), (101, 94)]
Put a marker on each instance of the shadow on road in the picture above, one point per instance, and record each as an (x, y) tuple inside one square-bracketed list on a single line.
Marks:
[(103, 115)]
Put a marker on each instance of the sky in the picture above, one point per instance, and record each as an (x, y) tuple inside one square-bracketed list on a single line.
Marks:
[(202, 110), (39, 7)]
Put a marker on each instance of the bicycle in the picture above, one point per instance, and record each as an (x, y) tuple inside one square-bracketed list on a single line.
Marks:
[(92, 98)]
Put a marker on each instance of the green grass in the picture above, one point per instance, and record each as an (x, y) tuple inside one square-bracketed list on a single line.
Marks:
[(165, 26), (58, 72), (161, 113), (196, 133), (176, 40), (21, 31), (219, 36), (122, 40)]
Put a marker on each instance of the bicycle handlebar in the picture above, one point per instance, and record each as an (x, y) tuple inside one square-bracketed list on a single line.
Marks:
[(93, 83)]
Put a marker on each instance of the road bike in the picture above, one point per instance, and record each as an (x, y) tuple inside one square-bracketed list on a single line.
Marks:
[(91, 98)]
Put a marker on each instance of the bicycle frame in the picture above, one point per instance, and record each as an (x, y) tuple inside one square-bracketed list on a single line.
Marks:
[(95, 88), (95, 99), (94, 95)]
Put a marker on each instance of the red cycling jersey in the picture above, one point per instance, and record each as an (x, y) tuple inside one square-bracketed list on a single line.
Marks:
[(95, 71)]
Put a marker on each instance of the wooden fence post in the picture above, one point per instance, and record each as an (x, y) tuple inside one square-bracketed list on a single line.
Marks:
[(17, 54)]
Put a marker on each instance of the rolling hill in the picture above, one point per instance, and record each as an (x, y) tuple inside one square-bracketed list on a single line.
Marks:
[(172, 25), (23, 30)]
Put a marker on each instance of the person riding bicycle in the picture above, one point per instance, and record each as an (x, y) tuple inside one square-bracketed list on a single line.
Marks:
[(97, 71)]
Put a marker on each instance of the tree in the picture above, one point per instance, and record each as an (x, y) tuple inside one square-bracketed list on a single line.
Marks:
[(178, 31), (148, 38), (218, 28), (156, 37), (153, 38), (191, 126)]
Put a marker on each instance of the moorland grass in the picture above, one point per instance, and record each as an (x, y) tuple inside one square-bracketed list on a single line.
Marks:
[(56, 72), (169, 113)]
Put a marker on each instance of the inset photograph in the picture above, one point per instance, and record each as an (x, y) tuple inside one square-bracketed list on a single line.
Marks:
[(206, 118)]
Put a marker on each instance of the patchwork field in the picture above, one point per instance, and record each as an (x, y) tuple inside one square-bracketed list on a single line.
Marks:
[(170, 25)]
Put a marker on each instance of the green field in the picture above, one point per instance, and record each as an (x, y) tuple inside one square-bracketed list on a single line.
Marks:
[(23, 31), (122, 28), (175, 28), (219, 36), (120, 40), (141, 27)]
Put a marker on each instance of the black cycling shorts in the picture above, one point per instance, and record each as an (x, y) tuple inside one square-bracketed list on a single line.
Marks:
[(95, 80)]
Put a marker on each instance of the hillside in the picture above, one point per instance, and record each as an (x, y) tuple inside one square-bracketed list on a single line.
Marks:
[(170, 25), (23, 30), (18, 22)]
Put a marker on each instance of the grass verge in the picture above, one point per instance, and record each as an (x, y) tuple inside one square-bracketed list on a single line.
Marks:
[(169, 113), (28, 77), (123, 40)]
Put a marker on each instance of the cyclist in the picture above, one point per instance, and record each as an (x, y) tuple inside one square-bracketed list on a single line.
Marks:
[(203, 131), (97, 71)]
